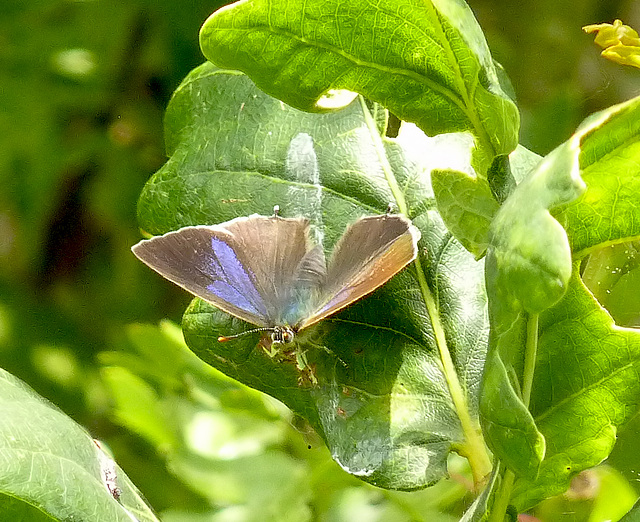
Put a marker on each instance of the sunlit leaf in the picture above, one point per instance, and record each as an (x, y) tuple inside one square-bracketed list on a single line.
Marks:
[(427, 62), (381, 391)]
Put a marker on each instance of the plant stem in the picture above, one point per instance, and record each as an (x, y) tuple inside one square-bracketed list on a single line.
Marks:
[(499, 510), (398, 195), (473, 447)]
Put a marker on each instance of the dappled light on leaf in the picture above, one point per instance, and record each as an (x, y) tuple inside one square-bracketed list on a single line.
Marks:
[(371, 373)]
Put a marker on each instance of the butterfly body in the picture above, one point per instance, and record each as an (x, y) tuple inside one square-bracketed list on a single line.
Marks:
[(264, 269)]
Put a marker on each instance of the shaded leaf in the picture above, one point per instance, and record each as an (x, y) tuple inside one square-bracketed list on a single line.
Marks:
[(612, 274), (243, 451), (51, 463)]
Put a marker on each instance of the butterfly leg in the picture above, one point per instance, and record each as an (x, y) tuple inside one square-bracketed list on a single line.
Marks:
[(332, 353), (271, 348), (307, 371)]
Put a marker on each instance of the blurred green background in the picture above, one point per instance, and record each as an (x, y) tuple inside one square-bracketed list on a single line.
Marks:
[(83, 86)]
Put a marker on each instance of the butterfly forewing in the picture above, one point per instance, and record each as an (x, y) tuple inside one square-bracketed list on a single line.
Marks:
[(203, 261), (272, 248), (370, 252), (243, 267)]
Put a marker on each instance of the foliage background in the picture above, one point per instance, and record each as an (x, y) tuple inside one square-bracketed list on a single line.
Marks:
[(83, 86)]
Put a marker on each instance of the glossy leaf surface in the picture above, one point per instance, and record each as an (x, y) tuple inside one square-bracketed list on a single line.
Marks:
[(381, 394), (427, 62)]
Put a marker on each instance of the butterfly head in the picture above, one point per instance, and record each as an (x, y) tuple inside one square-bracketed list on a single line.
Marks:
[(282, 335)]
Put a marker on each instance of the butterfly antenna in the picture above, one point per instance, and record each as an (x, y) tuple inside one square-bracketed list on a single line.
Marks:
[(224, 338)]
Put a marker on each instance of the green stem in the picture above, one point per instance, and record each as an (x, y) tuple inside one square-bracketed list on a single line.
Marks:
[(398, 195), (473, 448), (499, 510), (503, 496)]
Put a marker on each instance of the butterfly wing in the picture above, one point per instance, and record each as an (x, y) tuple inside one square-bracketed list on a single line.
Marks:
[(244, 266), (370, 252), (273, 248)]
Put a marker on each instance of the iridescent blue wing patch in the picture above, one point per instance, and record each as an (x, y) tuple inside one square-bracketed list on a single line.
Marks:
[(245, 266)]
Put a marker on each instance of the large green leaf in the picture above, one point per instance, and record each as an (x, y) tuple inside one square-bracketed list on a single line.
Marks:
[(592, 368), (241, 450), (383, 399), (223, 440), (427, 62), (50, 465), (585, 382)]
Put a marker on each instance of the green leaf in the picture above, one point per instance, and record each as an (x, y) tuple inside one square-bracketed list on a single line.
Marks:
[(235, 151), (528, 269), (530, 248), (224, 441), (427, 62), (137, 406), (633, 515), (382, 393), (243, 451), (610, 164), (479, 510), (612, 274), (592, 367), (467, 202), (468, 205), (581, 355), (52, 464), (625, 457), (529, 265)]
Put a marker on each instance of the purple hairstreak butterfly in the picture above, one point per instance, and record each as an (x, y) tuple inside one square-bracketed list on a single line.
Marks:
[(264, 269)]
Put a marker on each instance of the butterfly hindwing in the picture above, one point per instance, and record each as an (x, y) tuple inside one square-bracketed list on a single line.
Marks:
[(370, 252)]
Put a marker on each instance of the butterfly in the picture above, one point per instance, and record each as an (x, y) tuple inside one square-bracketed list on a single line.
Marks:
[(264, 269)]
